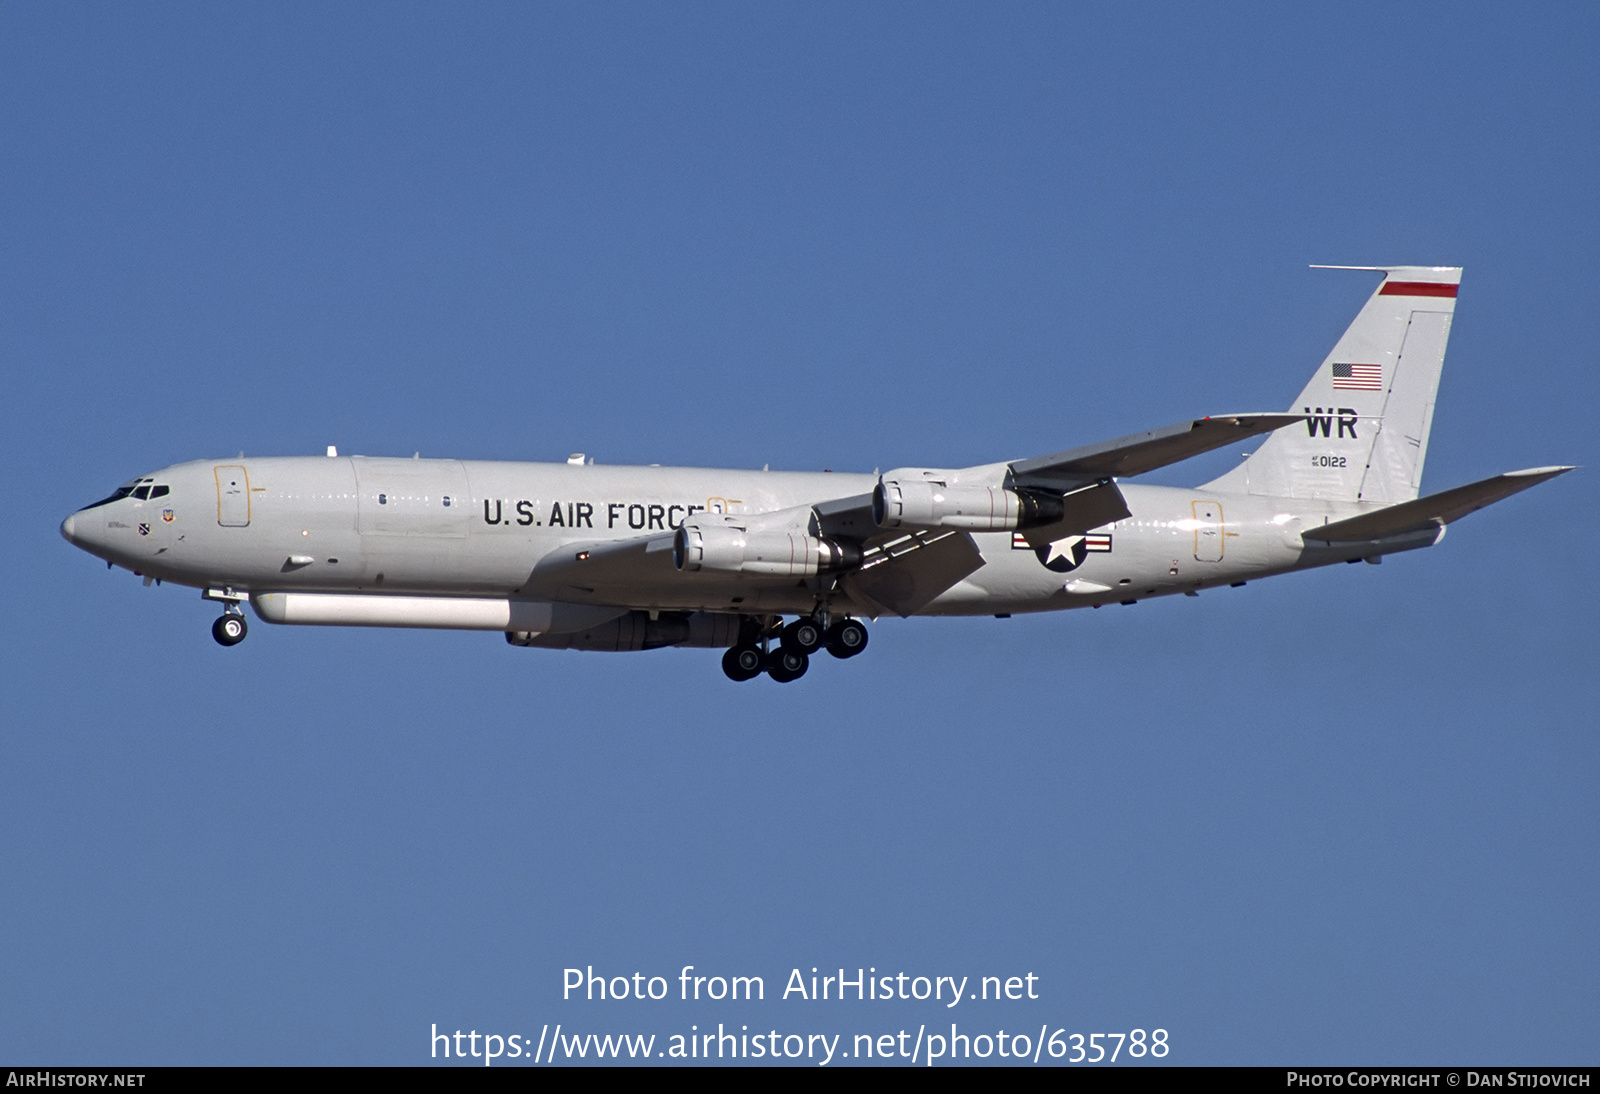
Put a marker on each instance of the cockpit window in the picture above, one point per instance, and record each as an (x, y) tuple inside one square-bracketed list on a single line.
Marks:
[(142, 489), (122, 492)]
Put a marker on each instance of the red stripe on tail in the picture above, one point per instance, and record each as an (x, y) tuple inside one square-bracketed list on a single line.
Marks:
[(1417, 288)]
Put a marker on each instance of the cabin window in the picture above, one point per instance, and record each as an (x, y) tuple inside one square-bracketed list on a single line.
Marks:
[(383, 499), (447, 501)]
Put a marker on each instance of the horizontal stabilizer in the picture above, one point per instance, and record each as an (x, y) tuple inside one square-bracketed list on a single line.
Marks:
[(1140, 452), (1431, 511)]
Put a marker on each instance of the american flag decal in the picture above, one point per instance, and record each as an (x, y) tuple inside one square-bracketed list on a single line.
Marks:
[(1351, 377)]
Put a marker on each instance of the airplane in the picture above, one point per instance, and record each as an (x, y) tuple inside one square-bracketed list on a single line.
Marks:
[(583, 556)]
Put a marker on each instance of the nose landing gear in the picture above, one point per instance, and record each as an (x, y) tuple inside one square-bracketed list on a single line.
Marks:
[(229, 629)]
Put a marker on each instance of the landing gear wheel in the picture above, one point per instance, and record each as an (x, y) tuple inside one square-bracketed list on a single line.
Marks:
[(846, 638), (229, 630), (802, 636), (742, 663), (784, 665)]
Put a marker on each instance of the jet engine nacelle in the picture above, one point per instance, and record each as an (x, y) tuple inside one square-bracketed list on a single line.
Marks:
[(734, 550), (935, 504)]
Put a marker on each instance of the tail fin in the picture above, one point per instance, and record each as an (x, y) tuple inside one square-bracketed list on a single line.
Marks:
[(1369, 406)]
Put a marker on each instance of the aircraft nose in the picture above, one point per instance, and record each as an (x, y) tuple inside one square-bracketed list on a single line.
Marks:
[(69, 529)]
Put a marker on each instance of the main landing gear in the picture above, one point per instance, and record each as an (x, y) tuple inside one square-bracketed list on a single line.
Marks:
[(743, 662), (788, 660), (846, 638)]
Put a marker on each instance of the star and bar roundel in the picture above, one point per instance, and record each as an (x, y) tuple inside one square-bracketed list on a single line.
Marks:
[(1065, 554)]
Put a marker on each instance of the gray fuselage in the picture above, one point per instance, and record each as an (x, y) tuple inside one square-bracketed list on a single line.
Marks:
[(450, 528)]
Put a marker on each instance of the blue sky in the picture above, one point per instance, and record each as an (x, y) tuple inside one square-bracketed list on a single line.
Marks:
[(1347, 816)]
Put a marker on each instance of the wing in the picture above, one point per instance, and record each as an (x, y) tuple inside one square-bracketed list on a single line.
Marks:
[(850, 518), (909, 571), (603, 571), (1077, 471), (1140, 452), (892, 568)]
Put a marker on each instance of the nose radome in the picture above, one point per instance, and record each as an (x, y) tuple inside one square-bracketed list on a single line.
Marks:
[(69, 529)]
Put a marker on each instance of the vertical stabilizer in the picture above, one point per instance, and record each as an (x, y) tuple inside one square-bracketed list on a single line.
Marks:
[(1370, 406)]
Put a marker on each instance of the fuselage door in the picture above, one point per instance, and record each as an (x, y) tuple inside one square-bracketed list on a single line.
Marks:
[(1207, 531), (233, 496)]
